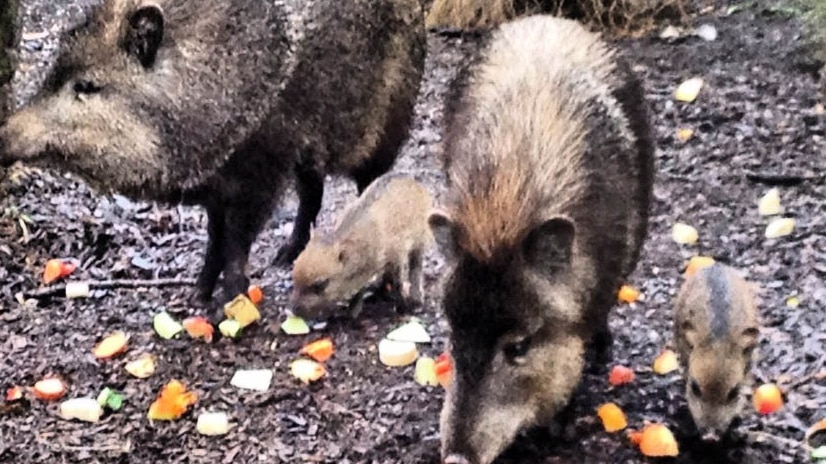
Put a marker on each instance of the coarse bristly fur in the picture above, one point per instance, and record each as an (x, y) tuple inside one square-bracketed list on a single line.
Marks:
[(217, 102), (383, 235), (549, 164), (716, 329)]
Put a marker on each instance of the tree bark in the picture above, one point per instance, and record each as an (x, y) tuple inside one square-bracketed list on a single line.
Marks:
[(8, 41)]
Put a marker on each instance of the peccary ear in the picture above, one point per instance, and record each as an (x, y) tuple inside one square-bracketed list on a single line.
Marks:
[(444, 233), (145, 34), (548, 247)]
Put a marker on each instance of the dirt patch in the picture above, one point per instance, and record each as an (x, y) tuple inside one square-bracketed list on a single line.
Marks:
[(757, 115)]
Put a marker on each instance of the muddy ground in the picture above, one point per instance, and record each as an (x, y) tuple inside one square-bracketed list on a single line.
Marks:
[(758, 115)]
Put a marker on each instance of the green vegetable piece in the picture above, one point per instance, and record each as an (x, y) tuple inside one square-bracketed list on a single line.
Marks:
[(294, 325), (165, 326)]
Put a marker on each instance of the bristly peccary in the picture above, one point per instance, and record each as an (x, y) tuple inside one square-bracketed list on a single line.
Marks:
[(716, 330), (381, 237), (550, 165), (214, 102)]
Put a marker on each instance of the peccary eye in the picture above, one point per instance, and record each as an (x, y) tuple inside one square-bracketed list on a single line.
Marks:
[(732, 394), (319, 286), (86, 87), (515, 351), (695, 389)]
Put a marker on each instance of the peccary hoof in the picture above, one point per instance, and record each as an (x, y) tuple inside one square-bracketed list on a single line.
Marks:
[(287, 254)]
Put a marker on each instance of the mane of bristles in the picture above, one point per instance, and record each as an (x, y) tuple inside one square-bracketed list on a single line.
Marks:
[(521, 129)]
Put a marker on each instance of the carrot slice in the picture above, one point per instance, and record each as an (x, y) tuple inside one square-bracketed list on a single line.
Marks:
[(49, 389), (199, 327), (111, 346), (320, 350), (255, 294)]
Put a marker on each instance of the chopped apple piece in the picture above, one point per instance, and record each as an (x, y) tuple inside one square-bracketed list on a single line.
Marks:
[(213, 423), (397, 354), (85, 409)]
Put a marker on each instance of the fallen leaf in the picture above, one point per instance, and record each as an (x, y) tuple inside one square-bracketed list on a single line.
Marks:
[(666, 362), (242, 310), (212, 423), (425, 373), (320, 350), (684, 234), (142, 367), (628, 294), (769, 204), (199, 327), (683, 135), (816, 428), (658, 441), (687, 91), (767, 398), (620, 375), (252, 379), (165, 326), (306, 370), (696, 263), (294, 325), (172, 402), (780, 227), (85, 409), (613, 419), (255, 294), (397, 354), (412, 331), (49, 389), (111, 346)]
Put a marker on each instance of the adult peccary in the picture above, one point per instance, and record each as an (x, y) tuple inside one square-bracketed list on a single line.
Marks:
[(550, 166), (716, 330), (215, 102), (381, 236)]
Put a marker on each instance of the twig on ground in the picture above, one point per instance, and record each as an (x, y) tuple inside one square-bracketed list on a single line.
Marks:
[(819, 375), (755, 436), (782, 180), (110, 284)]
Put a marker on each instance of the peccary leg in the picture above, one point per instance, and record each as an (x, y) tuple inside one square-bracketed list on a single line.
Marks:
[(310, 187), (214, 259), (243, 222), (402, 277), (415, 277)]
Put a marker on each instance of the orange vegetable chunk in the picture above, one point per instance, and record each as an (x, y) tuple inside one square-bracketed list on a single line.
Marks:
[(255, 294), (620, 375), (658, 441), (320, 350), (613, 419), (199, 327), (628, 294), (767, 398), (172, 402)]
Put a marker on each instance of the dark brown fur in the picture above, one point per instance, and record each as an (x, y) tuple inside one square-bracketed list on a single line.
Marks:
[(238, 95), (383, 235), (716, 329), (550, 168)]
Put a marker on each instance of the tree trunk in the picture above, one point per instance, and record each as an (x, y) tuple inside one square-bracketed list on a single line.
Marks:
[(8, 40)]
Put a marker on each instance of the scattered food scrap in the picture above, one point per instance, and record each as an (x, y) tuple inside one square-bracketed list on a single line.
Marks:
[(242, 310), (666, 362), (213, 423), (252, 379), (111, 346), (425, 373), (657, 440), (780, 227), (412, 331), (199, 327), (397, 354), (769, 204), (444, 370), (320, 350), (767, 398), (85, 409), (57, 269), (628, 294), (142, 367), (696, 263), (294, 325), (77, 290), (165, 326), (172, 402), (50, 389), (687, 91), (613, 419), (255, 294), (307, 370), (111, 399), (684, 234), (230, 328), (620, 375)]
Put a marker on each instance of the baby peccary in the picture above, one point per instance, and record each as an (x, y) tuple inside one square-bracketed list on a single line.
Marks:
[(382, 236), (549, 163), (716, 329), (216, 102)]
